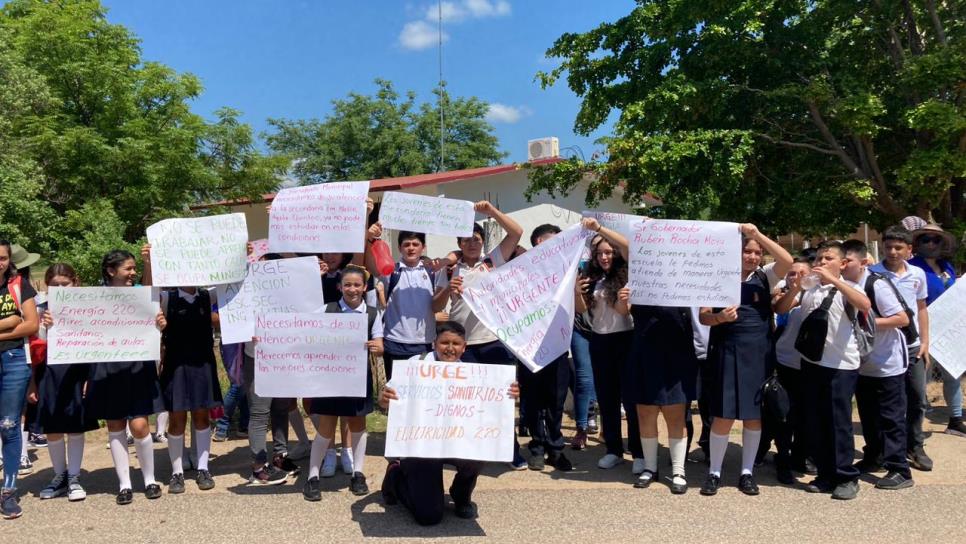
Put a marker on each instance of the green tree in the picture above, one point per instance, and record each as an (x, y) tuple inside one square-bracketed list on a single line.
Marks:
[(385, 135), (796, 114), (116, 146)]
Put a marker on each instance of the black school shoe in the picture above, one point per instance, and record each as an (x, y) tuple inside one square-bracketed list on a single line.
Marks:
[(176, 485), (710, 487), (559, 461), (784, 475), (893, 480), (747, 485), (357, 485), (204, 480), (124, 497), (806, 467), (536, 462), (846, 491), (819, 486), (866, 466), (678, 489), (312, 491), (465, 510), (645, 479), (153, 491), (919, 460)]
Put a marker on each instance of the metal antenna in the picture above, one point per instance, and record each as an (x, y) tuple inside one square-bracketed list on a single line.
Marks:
[(442, 132)]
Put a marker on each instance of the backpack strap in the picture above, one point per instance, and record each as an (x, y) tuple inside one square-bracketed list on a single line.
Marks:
[(422, 357), (396, 273), (829, 298), (333, 308)]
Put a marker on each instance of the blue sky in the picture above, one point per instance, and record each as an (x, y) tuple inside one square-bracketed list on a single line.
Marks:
[(290, 58)]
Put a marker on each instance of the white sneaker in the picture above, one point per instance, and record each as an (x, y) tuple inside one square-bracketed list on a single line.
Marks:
[(638, 467), (347, 460), (75, 491), (609, 461), (328, 465), (300, 451)]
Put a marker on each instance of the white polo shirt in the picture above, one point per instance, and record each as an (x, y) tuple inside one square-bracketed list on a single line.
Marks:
[(841, 351), (785, 350), (459, 311), (409, 311), (361, 309), (889, 354), (912, 287)]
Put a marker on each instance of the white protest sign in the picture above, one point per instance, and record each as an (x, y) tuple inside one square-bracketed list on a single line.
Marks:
[(685, 263), (528, 303), (947, 327), (429, 214), (451, 410), (259, 248), (198, 251), (311, 355), (328, 217), (102, 325), (618, 222), (283, 285)]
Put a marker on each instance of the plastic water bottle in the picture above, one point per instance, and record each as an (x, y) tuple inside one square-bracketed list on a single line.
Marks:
[(811, 281), (383, 255)]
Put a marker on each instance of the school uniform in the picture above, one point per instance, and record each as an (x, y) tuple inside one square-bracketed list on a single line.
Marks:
[(410, 323), (880, 394), (663, 366), (790, 437), (742, 353), (417, 483), (611, 336), (189, 375), (913, 287), (351, 406), (827, 388)]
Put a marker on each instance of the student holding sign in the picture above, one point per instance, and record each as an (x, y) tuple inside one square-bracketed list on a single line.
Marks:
[(598, 293), (742, 357), (18, 321), (126, 393), (60, 407), (418, 483), (189, 378), (353, 409)]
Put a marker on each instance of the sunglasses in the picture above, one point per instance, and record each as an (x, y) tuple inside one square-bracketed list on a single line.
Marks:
[(930, 239)]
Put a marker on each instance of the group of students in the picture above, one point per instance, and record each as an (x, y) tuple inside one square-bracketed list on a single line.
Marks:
[(629, 360)]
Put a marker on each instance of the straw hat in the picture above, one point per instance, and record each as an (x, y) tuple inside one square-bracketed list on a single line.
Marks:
[(21, 257), (948, 240)]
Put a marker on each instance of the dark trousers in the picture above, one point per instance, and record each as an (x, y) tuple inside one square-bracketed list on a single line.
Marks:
[(395, 351), (544, 393), (608, 356), (789, 436), (827, 406), (882, 411), (418, 485), (916, 401)]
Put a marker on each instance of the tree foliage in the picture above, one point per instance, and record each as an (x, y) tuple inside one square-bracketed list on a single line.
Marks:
[(100, 143), (799, 115), (385, 135)]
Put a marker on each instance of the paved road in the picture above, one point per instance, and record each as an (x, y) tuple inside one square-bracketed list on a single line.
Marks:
[(586, 505)]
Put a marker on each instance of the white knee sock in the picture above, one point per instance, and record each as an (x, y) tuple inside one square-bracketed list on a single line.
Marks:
[(298, 425), (203, 445), (23, 442), (145, 450), (122, 464), (319, 445), (57, 450), (358, 450), (718, 447), (649, 445), (679, 451), (175, 451), (75, 453), (749, 449), (162, 423)]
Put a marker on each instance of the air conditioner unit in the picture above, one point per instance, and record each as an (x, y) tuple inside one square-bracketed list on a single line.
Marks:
[(544, 148)]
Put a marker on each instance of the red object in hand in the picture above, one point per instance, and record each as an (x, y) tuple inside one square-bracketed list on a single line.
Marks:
[(383, 255)]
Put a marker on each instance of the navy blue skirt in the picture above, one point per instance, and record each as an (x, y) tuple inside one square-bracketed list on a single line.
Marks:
[(741, 359), (345, 406), (663, 369), (187, 386), (123, 390), (60, 403)]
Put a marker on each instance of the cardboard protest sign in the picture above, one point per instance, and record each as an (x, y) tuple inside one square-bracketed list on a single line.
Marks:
[(685, 263), (528, 303), (328, 217), (451, 410), (618, 222), (198, 251), (283, 285), (102, 325), (429, 214), (947, 327), (311, 355)]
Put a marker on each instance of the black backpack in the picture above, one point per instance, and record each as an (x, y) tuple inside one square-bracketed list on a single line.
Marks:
[(810, 341), (910, 331)]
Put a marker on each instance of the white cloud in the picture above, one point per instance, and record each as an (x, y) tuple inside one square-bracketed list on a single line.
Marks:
[(452, 12), (501, 113), (485, 8), (418, 35)]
